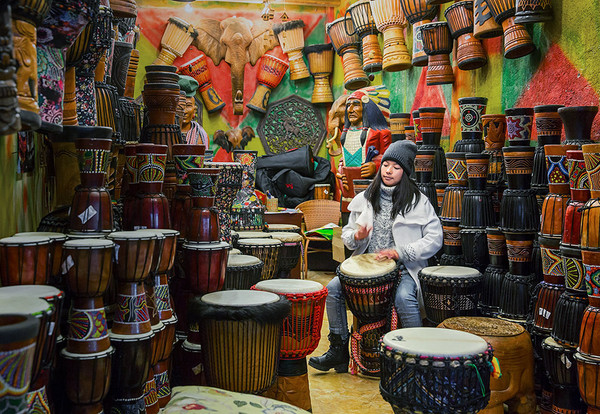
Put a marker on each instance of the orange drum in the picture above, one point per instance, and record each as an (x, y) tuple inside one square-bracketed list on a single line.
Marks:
[(270, 73), (58, 239), (25, 260), (347, 47), (438, 43), (470, 54), (588, 371), (517, 42), (418, 12), (390, 21), (197, 68)]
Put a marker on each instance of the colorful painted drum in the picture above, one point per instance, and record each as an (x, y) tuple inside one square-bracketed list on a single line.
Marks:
[(242, 271), (241, 338), (267, 250), (186, 157), (205, 265), (591, 264), (270, 73), (25, 260), (151, 162), (450, 291), (519, 122), (88, 326), (132, 315), (450, 370)]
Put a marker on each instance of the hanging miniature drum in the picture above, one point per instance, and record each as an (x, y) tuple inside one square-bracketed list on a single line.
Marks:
[(320, 64), (198, 69), (484, 26), (470, 54), (517, 42), (435, 370), (438, 43), (417, 12), (242, 271), (25, 260), (176, 39), (291, 39), (270, 73), (18, 333), (267, 250), (240, 335), (533, 11), (363, 23), (290, 252), (205, 265), (390, 20), (450, 291), (347, 47)]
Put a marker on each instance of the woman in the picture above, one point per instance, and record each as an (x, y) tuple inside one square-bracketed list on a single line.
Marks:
[(393, 219)]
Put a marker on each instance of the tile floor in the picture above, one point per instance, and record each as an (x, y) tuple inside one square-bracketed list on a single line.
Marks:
[(333, 393)]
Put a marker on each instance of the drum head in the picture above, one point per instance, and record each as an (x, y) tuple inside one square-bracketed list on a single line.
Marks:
[(25, 240), (289, 286), (239, 298), (287, 237), (207, 246), (435, 342), (233, 252), (254, 235), (451, 272), (132, 235), (78, 357), (75, 236), (365, 265), (283, 227), (51, 234), (33, 291), (167, 232), (88, 244), (259, 242), (242, 260), (24, 304), (550, 343), (478, 325)]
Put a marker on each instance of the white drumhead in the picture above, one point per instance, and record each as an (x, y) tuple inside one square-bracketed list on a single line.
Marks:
[(23, 304), (132, 235), (241, 260), (239, 298), (451, 271), (234, 252), (293, 286), (51, 234), (73, 236), (365, 265), (435, 342), (88, 244), (207, 246), (282, 227), (287, 237), (25, 240), (33, 291), (259, 242), (167, 232), (254, 235), (549, 342), (81, 357)]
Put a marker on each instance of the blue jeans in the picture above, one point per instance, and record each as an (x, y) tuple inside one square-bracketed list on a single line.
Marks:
[(406, 302)]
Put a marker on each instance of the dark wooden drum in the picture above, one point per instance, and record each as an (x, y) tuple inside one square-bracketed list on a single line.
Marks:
[(450, 291), (88, 266), (433, 370), (25, 260), (290, 253), (267, 250), (240, 335), (58, 239), (205, 265), (134, 251), (242, 272), (91, 211), (559, 362), (568, 316)]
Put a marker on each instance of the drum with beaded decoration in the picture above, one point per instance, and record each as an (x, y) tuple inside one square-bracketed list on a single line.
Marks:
[(435, 370)]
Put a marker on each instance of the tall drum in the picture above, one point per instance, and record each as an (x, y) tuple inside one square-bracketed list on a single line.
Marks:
[(267, 250), (438, 43), (320, 64), (418, 12), (176, 39), (291, 39), (517, 42), (364, 25), (347, 47), (271, 72)]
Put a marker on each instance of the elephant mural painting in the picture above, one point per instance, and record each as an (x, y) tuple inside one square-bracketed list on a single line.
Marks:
[(238, 41)]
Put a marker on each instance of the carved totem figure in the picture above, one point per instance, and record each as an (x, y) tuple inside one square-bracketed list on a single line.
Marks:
[(10, 119)]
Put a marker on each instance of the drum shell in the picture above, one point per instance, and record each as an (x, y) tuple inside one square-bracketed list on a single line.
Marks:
[(88, 330), (589, 339), (205, 269), (133, 258), (574, 269), (519, 211), (519, 247), (289, 256), (477, 210), (484, 24), (87, 379), (568, 316), (203, 224), (552, 263), (553, 213), (242, 277), (515, 296), (81, 220), (588, 374), (591, 263), (590, 223), (321, 191), (268, 254), (131, 364), (369, 299), (162, 380), (491, 286), (452, 205), (180, 207), (545, 306), (571, 234), (560, 363), (132, 316), (91, 272), (475, 249), (25, 264)]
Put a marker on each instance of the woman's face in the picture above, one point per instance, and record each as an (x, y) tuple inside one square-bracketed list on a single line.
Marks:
[(391, 173)]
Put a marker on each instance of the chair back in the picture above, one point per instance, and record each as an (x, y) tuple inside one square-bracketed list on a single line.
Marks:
[(317, 213)]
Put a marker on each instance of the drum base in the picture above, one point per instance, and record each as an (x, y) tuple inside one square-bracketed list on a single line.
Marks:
[(292, 385)]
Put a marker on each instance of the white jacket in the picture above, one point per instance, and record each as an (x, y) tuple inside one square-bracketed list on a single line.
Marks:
[(417, 235)]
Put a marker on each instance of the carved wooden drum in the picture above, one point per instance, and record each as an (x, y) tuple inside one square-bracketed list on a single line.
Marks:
[(267, 250)]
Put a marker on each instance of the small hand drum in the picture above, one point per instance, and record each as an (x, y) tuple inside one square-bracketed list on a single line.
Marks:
[(435, 370)]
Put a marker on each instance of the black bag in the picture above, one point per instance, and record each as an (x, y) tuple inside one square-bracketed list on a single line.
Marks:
[(300, 160)]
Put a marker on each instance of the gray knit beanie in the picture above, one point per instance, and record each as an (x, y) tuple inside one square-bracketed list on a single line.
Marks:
[(404, 153)]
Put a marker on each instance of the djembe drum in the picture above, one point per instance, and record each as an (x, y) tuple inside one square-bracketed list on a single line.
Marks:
[(322, 192), (290, 252), (204, 265), (152, 205), (369, 287), (320, 64), (286, 228), (242, 271), (362, 16), (438, 43), (470, 54), (197, 68), (435, 370), (513, 349), (185, 158), (57, 241), (347, 47), (588, 375), (534, 11), (517, 42), (450, 291), (418, 12), (390, 21), (240, 335), (253, 235), (25, 260), (176, 39), (291, 39), (300, 336), (578, 121), (398, 123), (267, 250), (484, 26), (270, 73)]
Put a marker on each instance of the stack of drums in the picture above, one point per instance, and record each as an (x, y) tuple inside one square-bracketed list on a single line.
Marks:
[(493, 277), (369, 286), (301, 333), (424, 174), (451, 211), (494, 135)]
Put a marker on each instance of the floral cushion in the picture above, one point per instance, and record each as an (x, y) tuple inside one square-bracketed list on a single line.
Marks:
[(214, 400)]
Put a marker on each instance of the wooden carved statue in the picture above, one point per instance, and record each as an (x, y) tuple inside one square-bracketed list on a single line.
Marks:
[(335, 125), (238, 41), (234, 139), (10, 119)]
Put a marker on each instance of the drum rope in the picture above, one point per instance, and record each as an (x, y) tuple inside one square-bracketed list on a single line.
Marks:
[(355, 346), (478, 377)]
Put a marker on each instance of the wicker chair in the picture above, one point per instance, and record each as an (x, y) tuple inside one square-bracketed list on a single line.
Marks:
[(317, 213)]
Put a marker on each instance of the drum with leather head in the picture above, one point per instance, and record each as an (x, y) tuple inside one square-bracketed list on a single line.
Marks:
[(248, 234), (272, 228), (240, 335), (435, 370), (290, 252), (242, 272), (58, 239), (450, 291), (25, 260), (205, 265), (267, 250), (368, 286)]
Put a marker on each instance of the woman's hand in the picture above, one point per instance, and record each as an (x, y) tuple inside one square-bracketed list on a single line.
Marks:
[(387, 254), (362, 232)]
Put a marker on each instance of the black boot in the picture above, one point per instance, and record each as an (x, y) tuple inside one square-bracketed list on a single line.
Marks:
[(336, 357)]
